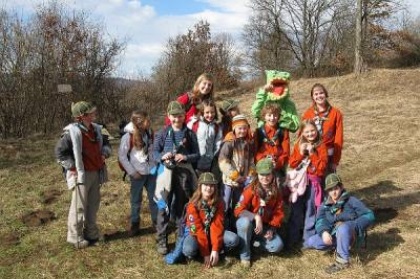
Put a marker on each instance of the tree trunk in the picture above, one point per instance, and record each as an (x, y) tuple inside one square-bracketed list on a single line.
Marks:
[(358, 58)]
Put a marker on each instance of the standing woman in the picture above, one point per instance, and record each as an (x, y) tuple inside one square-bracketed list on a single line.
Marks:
[(203, 89), (329, 123), (134, 155)]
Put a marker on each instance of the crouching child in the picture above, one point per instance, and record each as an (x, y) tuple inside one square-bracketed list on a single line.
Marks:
[(260, 213), (204, 232), (342, 221)]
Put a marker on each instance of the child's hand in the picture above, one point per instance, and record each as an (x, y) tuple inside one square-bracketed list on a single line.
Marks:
[(180, 158), (268, 87), (269, 234), (258, 224), (136, 175), (240, 179), (327, 238), (303, 149), (167, 156)]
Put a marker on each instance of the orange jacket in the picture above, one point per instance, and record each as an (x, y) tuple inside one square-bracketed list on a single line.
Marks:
[(280, 151), (319, 159), (195, 221), (250, 201), (332, 130)]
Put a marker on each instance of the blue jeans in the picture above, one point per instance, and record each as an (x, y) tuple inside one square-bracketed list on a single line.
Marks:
[(342, 241), (148, 181), (245, 229), (190, 247)]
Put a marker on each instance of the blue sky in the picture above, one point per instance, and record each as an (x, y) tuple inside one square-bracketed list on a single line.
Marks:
[(148, 24)]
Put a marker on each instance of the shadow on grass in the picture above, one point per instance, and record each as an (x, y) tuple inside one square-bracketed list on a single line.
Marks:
[(386, 208), (117, 235), (378, 242)]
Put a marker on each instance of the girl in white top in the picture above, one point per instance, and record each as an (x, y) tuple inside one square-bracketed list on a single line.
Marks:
[(135, 156), (209, 134)]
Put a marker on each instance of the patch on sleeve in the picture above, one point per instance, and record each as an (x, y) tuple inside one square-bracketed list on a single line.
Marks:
[(238, 204), (191, 218), (193, 229)]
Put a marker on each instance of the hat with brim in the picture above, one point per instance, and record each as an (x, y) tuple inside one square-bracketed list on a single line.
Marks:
[(175, 108), (239, 120), (229, 104), (332, 180), (265, 166), (207, 178), (81, 108)]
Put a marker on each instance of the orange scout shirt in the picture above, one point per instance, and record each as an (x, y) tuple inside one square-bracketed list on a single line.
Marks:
[(250, 201), (280, 150), (332, 130), (195, 221), (319, 159)]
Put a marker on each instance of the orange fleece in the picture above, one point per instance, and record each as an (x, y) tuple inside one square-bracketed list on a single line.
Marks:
[(332, 128)]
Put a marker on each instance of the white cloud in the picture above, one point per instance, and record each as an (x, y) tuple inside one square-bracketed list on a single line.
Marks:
[(146, 31)]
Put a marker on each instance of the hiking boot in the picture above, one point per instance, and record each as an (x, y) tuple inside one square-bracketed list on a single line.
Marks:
[(162, 248), (134, 230), (94, 241), (336, 267), (81, 244), (246, 263)]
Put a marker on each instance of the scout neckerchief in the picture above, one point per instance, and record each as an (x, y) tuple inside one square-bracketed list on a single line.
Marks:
[(209, 212), (85, 131), (318, 119), (274, 139), (265, 196), (337, 208)]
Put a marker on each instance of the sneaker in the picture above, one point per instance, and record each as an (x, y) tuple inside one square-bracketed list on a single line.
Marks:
[(336, 267), (246, 263)]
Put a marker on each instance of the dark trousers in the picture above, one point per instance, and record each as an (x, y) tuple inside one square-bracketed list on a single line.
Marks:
[(182, 188)]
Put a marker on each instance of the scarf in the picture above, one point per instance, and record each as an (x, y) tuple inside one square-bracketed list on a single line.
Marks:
[(209, 212), (265, 196), (318, 119), (337, 208)]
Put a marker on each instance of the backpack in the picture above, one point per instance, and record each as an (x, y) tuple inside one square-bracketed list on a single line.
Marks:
[(128, 157), (262, 136), (149, 136)]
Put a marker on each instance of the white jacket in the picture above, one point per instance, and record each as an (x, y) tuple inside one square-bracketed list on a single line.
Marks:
[(140, 161), (208, 141)]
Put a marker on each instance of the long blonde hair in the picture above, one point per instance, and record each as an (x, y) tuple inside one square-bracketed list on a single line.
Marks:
[(139, 118), (197, 97), (302, 139)]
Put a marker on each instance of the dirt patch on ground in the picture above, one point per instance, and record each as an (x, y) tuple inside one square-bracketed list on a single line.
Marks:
[(10, 239), (50, 195), (38, 218)]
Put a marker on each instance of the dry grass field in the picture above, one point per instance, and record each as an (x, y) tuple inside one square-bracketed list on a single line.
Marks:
[(380, 164)]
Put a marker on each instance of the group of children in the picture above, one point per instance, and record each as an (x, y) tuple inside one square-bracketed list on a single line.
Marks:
[(224, 185)]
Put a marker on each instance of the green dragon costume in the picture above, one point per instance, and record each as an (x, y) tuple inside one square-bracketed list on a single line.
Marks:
[(280, 96)]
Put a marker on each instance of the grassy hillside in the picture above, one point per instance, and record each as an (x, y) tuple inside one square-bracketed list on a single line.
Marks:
[(380, 164)]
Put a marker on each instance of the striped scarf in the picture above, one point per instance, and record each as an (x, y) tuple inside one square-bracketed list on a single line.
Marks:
[(318, 119)]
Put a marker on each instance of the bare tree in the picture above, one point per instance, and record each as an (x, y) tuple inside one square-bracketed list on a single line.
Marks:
[(37, 54), (193, 53)]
